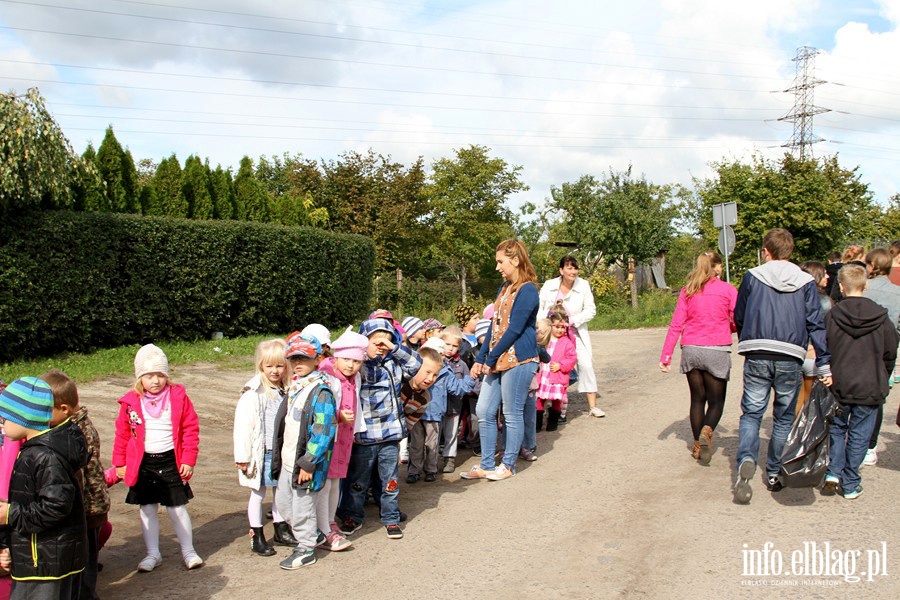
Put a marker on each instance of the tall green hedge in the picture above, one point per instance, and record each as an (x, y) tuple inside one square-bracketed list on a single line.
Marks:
[(81, 281)]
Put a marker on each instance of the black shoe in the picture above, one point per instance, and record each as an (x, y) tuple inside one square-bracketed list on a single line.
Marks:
[(774, 484), (394, 532), (562, 419), (269, 515), (258, 543), (403, 516), (349, 526), (430, 477), (412, 478), (553, 417), (283, 535), (539, 420)]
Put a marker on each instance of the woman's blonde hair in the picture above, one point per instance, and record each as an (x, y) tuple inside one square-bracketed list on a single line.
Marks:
[(542, 328), (704, 270), (525, 272), (271, 352)]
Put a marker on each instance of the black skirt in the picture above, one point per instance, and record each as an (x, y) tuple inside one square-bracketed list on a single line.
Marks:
[(159, 482)]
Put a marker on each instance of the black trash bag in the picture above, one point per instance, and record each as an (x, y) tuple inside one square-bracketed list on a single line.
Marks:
[(804, 460)]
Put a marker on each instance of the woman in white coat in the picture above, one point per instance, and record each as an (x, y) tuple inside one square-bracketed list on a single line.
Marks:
[(578, 300)]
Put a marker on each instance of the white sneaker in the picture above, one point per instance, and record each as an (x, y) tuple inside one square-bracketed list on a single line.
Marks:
[(871, 457), (150, 562), (192, 560), (597, 412)]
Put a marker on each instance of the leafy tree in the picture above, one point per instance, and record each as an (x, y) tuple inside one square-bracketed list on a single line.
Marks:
[(87, 186), (222, 194), (292, 183), (369, 194), (195, 185), (110, 163), (889, 224), (36, 160), (469, 216), (250, 196), (626, 219), (130, 183), (169, 198), (822, 204)]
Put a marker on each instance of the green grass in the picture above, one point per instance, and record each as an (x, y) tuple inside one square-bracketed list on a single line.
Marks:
[(231, 353), (655, 309)]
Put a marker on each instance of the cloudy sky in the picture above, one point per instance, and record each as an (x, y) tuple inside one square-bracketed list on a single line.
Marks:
[(561, 88)]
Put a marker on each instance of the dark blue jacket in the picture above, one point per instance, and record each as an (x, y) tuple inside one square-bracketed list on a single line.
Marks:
[(520, 334), (778, 311)]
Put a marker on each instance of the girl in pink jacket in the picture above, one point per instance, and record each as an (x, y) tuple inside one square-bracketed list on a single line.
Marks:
[(704, 319), (553, 377), (155, 450), (349, 351)]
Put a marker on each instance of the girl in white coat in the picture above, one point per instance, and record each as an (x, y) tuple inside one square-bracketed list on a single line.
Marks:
[(254, 426)]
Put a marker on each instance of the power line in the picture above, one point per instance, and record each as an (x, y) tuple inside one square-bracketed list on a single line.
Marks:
[(355, 88), (382, 42), (313, 58), (392, 104)]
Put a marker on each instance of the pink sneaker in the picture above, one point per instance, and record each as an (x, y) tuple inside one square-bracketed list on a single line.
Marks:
[(336, 542)]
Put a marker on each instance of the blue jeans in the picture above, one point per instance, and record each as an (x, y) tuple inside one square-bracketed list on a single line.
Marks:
[(529, 418), (760, 378), (850, 434), (385, 457), (509, 388)]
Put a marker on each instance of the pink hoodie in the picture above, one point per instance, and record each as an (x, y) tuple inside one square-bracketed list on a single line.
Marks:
[(704, 319), (564, 354), (343, 439)]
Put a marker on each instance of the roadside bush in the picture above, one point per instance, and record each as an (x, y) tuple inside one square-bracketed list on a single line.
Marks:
[(81, 281)]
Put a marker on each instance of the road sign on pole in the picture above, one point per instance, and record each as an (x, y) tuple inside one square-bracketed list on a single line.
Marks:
[(724, 216)]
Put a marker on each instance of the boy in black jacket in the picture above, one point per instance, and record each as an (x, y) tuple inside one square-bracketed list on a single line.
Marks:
[(863, 344), (45, 512)]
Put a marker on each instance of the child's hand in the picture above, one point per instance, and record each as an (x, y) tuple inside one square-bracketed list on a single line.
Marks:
[(554, 367), (304, 476), (665, 368), (5, 559), (384, 346), (120, 471), (186, 471), (242, 466), (346, 417)]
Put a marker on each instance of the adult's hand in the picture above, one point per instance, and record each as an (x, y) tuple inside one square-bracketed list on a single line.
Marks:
[(476, 369)]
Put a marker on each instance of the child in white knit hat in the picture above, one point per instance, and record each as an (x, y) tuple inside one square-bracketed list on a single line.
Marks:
[(155, 450)]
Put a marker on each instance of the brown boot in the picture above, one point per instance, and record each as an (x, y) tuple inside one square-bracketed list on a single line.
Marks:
[(695, 451), (705, 442)]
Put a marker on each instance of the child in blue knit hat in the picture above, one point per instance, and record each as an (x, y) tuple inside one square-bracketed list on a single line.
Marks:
[(45, 511)]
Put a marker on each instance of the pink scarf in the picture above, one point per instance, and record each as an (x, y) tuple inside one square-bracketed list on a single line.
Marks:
[(155, 404)]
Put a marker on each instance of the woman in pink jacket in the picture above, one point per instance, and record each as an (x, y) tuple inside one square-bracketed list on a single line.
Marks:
[(704, 319)]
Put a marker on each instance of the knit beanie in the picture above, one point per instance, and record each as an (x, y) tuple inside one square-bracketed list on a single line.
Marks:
[(482, 327), (350, 345), (464, 314), (27, 401), (150, 359), (412, 325), (320, 332)]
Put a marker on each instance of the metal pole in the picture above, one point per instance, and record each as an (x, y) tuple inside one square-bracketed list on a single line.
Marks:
[(725, 243)]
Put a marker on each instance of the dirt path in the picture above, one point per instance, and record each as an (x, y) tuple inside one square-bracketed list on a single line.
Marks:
[(614, 507)]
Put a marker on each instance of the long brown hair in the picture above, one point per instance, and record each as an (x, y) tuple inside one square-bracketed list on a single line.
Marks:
[(704, 270), (525, 271)]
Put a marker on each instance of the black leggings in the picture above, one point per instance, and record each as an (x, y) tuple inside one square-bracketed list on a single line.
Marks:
[(707, 400)]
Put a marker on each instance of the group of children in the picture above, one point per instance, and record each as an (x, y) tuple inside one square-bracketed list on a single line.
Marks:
[(323, 423), (327, 424)]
